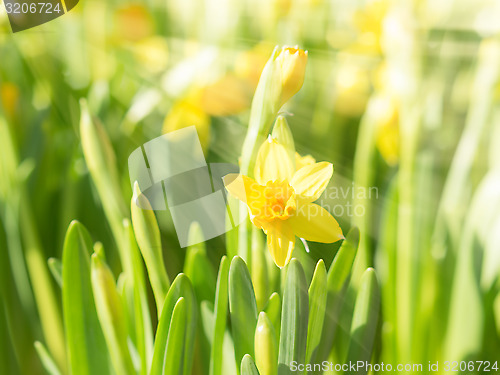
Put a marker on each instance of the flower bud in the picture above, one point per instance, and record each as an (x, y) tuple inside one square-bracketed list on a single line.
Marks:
[(266, 353), (291, 62), (283, 134)]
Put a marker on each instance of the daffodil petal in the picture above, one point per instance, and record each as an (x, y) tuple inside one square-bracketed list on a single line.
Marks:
[(310, 181), (302, 161), (313, 223), (273, 163), (280, 241), (248, 191)]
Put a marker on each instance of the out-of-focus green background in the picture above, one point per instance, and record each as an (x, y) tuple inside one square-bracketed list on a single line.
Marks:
[(400, 96)]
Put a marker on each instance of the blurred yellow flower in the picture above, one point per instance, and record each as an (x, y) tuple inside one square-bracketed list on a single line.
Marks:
[(132, 23), (250, 63), (353, 88), (291, 64), (387, 132), (228, 96), (9, 98), (183, 114), (152, 54), (280, 198), (369, 22)]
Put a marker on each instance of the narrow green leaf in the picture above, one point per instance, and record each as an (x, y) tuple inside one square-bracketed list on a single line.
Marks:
[(200, 271), (86, 346), (208, 321), (337, 278), (47, 361), (55, 267), (231, 230), (175, 351), (101, 162), (342, 264), (142, 318), (273, 311), (110, 313), (365, 320), (221, 302), (148, 238), (266, 346), (181, 287), (248, 366), (294, 317), (198, 267), (259, 268), (317, 307), (242, 307)]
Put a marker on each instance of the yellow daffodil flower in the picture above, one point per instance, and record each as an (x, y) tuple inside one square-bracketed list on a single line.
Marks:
[(280, 200)]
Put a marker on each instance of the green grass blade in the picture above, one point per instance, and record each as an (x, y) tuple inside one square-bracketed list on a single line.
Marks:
[(317, 307), (110, 313), (148, 238), (337, 277), (221, 303), (258, 269), (293, 337), (86, 347), (101, 161), (55, 267), (248, 366), (181, 287), (242, 307), (198, 267), (273, 311), (142, 318), (47, 361), (175, 352), (365, 320)]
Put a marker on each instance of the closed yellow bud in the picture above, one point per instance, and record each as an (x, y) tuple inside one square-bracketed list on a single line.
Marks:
[(266, 352), (291, 63)]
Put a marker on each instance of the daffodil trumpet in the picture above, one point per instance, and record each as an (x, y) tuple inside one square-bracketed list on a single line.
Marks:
[(280, 200)]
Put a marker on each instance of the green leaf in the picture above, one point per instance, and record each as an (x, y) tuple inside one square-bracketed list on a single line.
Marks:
[(258, 268), (101, 162), (266, 346), (47, 361), (248, 366), (242, 307), (317, 307), (221, 302), (273, 311), (294, 317), (198, 267), (337, 279), (110, 313), (148, 238), (142, 318), (181, 287), (55, 267), (175, 351), (365, 320), (86, 346)]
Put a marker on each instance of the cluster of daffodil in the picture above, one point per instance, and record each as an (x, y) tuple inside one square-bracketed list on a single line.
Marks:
[(108, 325)]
